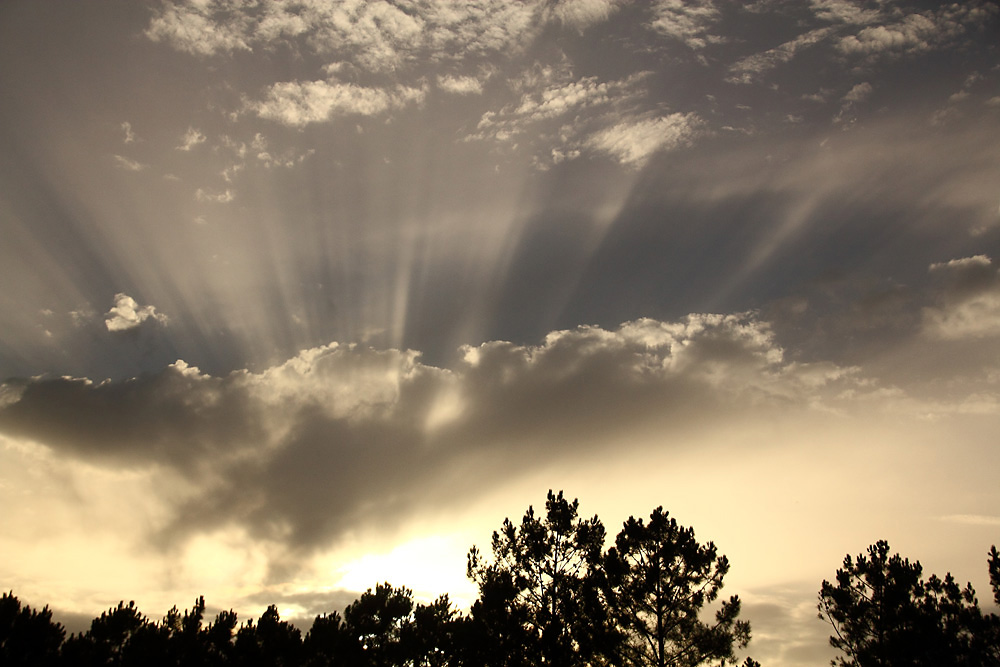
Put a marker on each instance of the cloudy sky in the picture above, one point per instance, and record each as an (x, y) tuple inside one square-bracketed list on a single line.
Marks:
[(299, 296)]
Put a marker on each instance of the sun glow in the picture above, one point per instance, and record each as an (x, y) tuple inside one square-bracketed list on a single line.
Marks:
[(430, 566)]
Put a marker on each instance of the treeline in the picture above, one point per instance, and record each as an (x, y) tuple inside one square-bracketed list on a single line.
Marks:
[(550, 594)]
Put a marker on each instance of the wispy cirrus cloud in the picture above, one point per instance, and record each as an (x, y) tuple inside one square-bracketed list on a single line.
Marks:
[(128, 164)]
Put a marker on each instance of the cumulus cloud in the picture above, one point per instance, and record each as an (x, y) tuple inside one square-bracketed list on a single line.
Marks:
[(904, 33), (127, 314), (340, 434)]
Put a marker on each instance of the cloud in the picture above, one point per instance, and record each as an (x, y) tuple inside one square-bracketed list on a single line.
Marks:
[(129, 134), (299, 453), (869, 33), (581, 14), (377, 37), (968, 302), (749, 69), (191, 139), (127, 314), (128, 164), (843, 11), (632, 143), (191, 27), (561, 116), (460, 85), (549, 93), (297, 103), (859, 93), (688, 22), (223, 197), (916, 32)]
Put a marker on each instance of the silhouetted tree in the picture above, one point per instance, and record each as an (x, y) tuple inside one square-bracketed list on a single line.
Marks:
[(430, 637), (376, 621), (28, 637), (884, 613), (218, 638), (663, 578), (994, 567), (271, 642), (327, 644), (497, 631), (546, 585)]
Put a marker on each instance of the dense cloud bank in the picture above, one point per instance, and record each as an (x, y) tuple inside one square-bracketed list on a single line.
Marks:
[(344, 435)]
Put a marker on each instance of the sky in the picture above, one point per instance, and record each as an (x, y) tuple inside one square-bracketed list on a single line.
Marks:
[(302, 296)]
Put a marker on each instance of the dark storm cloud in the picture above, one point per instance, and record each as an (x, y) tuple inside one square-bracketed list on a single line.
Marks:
[(341, 437), (173, 417)]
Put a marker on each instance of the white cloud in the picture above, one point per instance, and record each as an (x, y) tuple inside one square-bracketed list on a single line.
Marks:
[(129, 134), (750, 68), (843, 11), (859, 92), (582, 106), (581, 14), (869, 33), (460, 85), (686, 21), (301, 103), (191, 139), (850, 101), (128, 164), (190, 27), (126, 314), (223, 197), (634, 142), (916, 32), (375, 36)]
